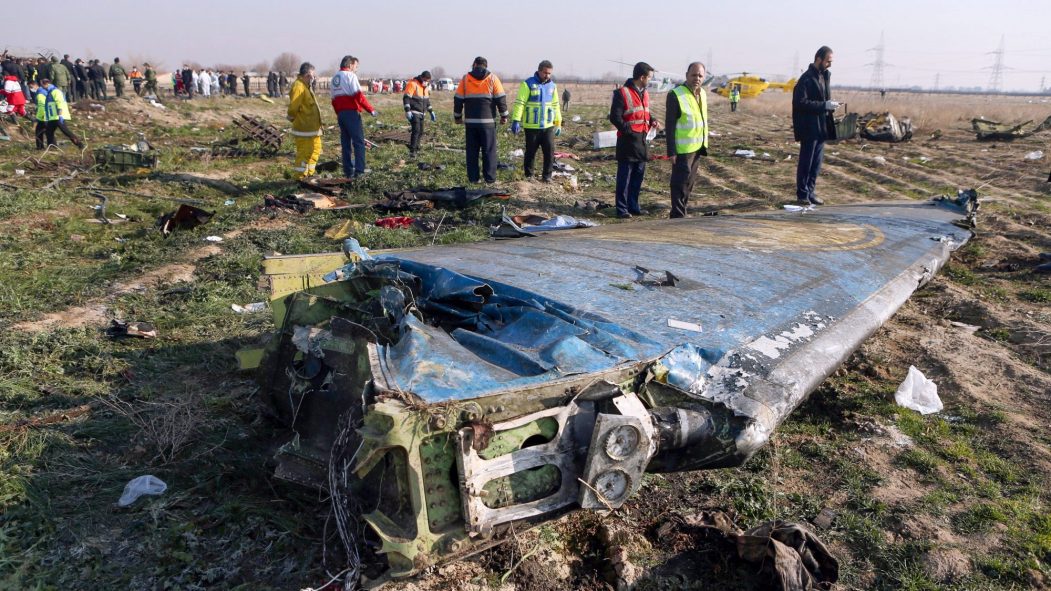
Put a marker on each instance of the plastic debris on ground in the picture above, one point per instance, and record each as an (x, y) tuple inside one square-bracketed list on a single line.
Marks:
[(213, 238), (519, 153), (1035, 155), (690, 326), (249, 308), (799, 208), (229, 202), (142, 485), (918, 393), (575, 119), (343, 230), (142, 330), (454, 198), (745, 153), (567, 155)]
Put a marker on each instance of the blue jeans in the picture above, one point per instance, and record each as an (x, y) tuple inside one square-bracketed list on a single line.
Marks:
[(810, 154), (629, 183), (352, 135)]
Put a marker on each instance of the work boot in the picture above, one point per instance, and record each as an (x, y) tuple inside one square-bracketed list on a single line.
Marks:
[(816, 201), (803, 202), (624, 216)]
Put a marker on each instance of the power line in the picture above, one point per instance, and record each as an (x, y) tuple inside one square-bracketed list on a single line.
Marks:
[(877, 66), (996, 80)]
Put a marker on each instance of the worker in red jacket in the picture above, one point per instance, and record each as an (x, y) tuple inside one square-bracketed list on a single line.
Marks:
[(12, 93), (349, 100)]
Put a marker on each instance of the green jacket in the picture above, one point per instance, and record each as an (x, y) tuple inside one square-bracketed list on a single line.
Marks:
[(116, 71), (59, 74), (151, 76)]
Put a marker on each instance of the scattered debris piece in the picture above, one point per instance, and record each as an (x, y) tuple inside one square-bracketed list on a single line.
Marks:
[(49, 419), (142, 485), (395, 222), (257, 137), (304, 202), (604, 139), (885, 127), (563, 167), (186, 217), (964, 326), (745, 153), (655, 278), (1035, 155), (142, 330), (880, 160), (591, 205), (401, 137), (343, 230), (575, 119), (455, 198), (124, 158), (799, 208), (825, 518), (333, 187), (213, 239), (791, 557), (847, 127), (986, 130), (249, 308), (229, 202), (518, 153), (918, 393), (428, 166), (20, 172)]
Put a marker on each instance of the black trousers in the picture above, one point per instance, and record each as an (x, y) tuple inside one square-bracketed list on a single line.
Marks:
[(416, 125), (100, 89), (481, 138), (811, 153), (683, 176), (82, 90), (545, 140), (61, 126)]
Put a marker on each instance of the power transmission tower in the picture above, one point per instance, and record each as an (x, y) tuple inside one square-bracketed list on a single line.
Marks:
[(877, 66), (996, 80)]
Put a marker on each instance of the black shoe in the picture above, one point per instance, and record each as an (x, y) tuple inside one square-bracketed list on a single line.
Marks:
[(624, 216), (546, 179), (1045, 256), (814, 199), (803, 202), (639, 212)]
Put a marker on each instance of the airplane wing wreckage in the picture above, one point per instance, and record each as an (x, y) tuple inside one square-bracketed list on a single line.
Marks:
[(442, 394)]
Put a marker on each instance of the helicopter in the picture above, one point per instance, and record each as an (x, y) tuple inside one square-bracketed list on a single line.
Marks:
[(750, 85)]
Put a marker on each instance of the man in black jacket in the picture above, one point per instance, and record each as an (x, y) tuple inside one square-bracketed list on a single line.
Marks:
[(81, 74), (630, 114), (187, 81), (812, 123)]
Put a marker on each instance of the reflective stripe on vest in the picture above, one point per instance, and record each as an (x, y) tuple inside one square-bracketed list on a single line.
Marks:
[(538, 114), (636, 112), (691, 129)]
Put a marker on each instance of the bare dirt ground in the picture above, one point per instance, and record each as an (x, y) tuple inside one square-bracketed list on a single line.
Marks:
[(957, 500)]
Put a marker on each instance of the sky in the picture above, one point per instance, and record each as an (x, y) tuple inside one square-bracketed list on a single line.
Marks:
[(953, 43)]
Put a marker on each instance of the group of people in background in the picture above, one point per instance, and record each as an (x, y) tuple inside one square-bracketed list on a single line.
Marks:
[(190, 81)]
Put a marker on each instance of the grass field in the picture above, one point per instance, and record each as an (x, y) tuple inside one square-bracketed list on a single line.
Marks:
[(957, 500)]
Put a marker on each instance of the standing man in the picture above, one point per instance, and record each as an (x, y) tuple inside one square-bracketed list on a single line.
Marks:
[(565, 100), (812, 123), (72, 95), (735, 97), (271, 84), (348, 101), (204, 83), (305, 115), (686, 122), (100, 80), (187, 81), (417, 102), (537, 110), (282, 83), (481, 95), (151, 80), (136, 80), (630, 114), (118, 75), (81, 74), (245, 80), (60, 76)]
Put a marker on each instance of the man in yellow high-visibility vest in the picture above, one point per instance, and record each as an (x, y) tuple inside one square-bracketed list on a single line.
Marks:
[(686, 122)]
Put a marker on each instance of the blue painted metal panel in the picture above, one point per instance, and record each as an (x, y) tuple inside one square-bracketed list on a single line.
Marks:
[(743, 278)]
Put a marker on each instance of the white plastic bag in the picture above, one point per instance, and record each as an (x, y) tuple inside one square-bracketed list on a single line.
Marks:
[(1035, 155), (143, 485), (918, 393)]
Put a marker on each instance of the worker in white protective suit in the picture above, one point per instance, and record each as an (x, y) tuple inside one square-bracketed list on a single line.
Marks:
[(204, 83)]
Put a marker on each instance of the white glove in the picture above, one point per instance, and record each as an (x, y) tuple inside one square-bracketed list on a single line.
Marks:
[(831, 105)]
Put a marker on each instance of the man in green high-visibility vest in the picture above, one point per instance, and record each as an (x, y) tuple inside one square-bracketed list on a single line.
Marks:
[(686, 122)]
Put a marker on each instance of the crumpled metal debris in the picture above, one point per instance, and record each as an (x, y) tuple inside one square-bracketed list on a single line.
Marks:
[(885, 127), (987, 130)]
